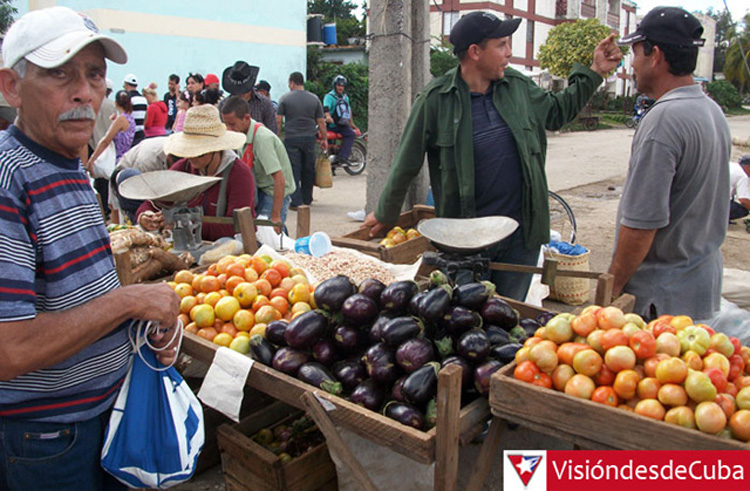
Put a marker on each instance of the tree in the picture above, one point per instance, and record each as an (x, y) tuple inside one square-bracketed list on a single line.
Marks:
[(442, 59), (735, 68), (7, 11), (572, 42), (724, 33)]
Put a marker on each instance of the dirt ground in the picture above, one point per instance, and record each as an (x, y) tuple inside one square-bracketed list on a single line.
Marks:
[(588, 171)]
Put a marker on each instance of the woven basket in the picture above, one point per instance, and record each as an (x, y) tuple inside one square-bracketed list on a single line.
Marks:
[(567, 289)]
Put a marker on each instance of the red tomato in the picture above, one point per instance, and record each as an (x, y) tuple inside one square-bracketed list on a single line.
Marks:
[(717, 378), (626, 383), (605, 376), (658, 327), (605, 395), (737, 345), (612, 338), (651, 408), (643, 343), (525, 371), (567, 351), (542, 380)]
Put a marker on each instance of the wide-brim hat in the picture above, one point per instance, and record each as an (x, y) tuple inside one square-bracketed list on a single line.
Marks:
[(203, 133), (50, 37), (239, 78), (165, 185)]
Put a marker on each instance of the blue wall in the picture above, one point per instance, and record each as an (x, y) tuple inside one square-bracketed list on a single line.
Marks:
[(277, 35)]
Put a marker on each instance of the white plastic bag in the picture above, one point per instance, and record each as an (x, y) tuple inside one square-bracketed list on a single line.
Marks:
[(104, 165)]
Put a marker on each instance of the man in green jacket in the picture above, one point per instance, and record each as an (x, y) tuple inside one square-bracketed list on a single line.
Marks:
[(482, 126)]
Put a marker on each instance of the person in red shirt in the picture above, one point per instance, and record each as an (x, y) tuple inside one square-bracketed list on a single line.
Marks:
[(206, 149), (156, 114)]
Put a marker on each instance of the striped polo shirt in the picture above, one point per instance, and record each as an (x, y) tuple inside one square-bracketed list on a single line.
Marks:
[(55, 255)]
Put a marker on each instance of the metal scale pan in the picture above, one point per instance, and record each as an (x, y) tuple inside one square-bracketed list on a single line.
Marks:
[(166, 186), (466, 236)]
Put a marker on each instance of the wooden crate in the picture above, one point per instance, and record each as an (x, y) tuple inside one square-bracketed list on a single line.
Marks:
[(589, 424), (249, 466), (415, 444), (404, 253)]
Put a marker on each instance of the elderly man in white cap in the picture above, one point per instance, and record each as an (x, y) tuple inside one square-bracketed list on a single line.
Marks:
[(63, 315)]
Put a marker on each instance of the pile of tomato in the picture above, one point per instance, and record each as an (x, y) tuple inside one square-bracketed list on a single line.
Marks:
[(668, 369), (238, 296)]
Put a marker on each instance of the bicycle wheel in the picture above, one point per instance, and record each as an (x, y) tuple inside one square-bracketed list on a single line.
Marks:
[(561, 217)]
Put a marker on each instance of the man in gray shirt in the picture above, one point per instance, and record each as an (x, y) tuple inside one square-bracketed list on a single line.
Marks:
[(672, 215), (303, 113)]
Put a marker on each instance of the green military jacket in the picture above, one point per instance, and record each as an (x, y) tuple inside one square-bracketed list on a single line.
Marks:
[(440, 124)]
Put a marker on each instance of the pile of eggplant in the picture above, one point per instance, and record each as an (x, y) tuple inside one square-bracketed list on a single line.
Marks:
[(382, 346)]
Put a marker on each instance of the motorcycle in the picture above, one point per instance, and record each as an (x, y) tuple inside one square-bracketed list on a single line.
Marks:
[(357, 157)]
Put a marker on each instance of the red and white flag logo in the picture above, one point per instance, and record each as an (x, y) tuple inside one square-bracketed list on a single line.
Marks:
[(521, 466)]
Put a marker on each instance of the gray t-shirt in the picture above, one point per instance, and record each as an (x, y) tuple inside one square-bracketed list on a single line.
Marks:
[(678, 183), (300, 109)]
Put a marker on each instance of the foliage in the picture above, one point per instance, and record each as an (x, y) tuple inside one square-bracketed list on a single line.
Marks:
[(7, 11), (725, 94), (724, 33), (320, 75), (735, 68), (442, 59), (340, 12), (572, 42)]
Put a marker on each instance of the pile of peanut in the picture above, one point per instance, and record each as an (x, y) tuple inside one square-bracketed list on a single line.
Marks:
[(341, 262)]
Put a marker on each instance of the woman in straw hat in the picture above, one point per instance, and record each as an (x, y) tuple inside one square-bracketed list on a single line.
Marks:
[(206, 148)]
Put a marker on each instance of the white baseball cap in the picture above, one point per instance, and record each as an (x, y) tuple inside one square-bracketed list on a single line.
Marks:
[(131, 79), (109, 83), (50, 37)]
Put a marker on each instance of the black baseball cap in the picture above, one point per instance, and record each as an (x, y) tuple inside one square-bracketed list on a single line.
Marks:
[(670, 25), (475, 27)]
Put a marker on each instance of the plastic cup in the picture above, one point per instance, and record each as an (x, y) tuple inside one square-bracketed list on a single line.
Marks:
[(317, 244)]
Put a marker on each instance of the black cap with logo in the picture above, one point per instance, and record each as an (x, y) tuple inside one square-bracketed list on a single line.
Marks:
[(670, 25), (475, 27)]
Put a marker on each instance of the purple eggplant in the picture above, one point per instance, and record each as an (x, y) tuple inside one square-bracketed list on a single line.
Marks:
[(473, 345), (530, 326), (444, 344), (421, 385), (499, 312), (304, 330), (375, 331), (318, 376), (331, 294), (483, 373), (496, 335), (359, 309), (380, 363), (372, 288), (349, 339), (397, 393), (459, 319), (397, 295), (544, 318), (350, 372), (289, 360), (436, 303), (405, 414), (398, 330), (275, 332), (368, 394), (467, 373), (505, 353), (262, 350), (473, 295), (415, 304), (324, 351), (413, 353)]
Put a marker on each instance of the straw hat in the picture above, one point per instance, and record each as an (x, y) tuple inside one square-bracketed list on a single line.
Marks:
[(203, 133), (165, 185)]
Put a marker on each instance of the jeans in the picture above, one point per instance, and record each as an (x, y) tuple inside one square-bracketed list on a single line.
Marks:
[(736, 210), (301, 151), (54, 456), (512, 250), (347, 140), (264, 205)]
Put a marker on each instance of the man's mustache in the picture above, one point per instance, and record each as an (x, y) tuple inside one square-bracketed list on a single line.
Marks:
[(82, 112)]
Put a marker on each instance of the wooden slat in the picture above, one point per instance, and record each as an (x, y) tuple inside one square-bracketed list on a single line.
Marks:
[(625, 302), (303, 221), (362, 246), (448, 428), (123, 267), (518, 268), (246, 227), (486, 454), (336, 444), (604, 286), (589, 424), (415, 444)]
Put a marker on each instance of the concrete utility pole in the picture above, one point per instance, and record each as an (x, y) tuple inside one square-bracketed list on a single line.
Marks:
[(399, 68)]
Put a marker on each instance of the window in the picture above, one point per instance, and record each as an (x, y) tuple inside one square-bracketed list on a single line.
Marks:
[(529, 31), (449, 20)]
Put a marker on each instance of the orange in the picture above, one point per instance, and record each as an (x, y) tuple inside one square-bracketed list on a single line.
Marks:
[(280, 304), (222, 279), (223, 339), (244, 260), (278, 292), (207, 333), (187, 303), (251, 275), (191, 328), (243, 320), (246, 293), (235, 269), (264, 287), (229, 329), (259, 302), (212, 270), (196, 283), (183, 290), (273, 276), (210, 284), (203, 315), (232, 283), (299, 293), (185, 318), (282, 267), (259, 265), (183, 276), (201, 297), (223, 263)]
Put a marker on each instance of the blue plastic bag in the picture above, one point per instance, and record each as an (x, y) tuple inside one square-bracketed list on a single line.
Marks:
[(155, 432)]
